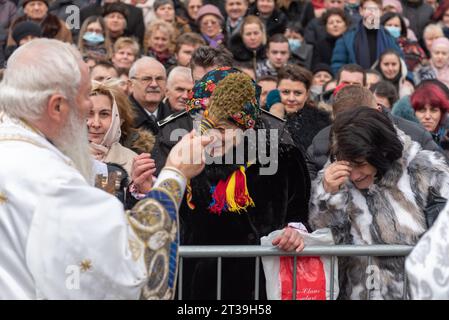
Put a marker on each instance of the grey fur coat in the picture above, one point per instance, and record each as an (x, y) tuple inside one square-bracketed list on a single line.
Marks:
[(389, 212)]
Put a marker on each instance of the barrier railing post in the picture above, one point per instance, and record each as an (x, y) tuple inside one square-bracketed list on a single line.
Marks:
[(181, 260), (219, 278), (405, 290), (332, 277), (256, 287), (295, 259), (368, 290)]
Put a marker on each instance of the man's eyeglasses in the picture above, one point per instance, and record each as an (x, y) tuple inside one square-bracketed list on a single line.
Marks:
[(147, 80)]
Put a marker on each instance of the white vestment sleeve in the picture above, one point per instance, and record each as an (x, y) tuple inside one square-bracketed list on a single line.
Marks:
[(79, 245)]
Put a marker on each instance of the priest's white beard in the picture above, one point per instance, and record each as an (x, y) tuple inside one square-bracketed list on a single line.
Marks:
[(73, 142)]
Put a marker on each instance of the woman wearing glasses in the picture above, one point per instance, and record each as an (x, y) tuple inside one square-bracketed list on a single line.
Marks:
[(210, 21)]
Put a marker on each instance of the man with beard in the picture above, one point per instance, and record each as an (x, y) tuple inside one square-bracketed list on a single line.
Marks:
[(61, 237)]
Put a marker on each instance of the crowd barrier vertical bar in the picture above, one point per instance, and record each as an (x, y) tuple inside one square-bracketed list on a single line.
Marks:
[(218, 278), (368, 290), (332, 277), (180, 272), (405, 297), (256, 287)]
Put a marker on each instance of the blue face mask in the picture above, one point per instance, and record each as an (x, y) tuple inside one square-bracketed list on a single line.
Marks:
[(294, 44), (94, 38), (394, 31)]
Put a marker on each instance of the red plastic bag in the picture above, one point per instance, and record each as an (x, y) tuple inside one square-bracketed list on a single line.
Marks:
[(310, 278), (313, 274)]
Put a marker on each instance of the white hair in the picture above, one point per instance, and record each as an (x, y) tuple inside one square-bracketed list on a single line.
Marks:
[(183, 72), (433, 28), (35, 71), (141, 62)]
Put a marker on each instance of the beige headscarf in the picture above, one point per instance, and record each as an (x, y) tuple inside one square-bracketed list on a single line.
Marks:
[(111, 137)]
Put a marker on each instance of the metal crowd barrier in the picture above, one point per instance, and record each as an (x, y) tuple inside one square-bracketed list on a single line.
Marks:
[(257, 252)]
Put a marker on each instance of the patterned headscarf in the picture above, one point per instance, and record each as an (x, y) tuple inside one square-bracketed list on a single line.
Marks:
[(199, 98)]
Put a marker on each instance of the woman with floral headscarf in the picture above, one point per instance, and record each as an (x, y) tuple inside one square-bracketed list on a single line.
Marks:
[(232, 201)]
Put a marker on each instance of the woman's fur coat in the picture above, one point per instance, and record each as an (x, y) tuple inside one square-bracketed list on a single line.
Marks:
[(391, 211)]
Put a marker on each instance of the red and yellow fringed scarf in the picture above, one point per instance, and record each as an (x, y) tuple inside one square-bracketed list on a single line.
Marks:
[(228, 195)]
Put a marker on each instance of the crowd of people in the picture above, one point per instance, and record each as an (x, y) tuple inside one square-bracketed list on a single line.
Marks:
[(348, 99)]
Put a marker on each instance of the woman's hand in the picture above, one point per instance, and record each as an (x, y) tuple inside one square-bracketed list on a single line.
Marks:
[(289, 240), (142, 172), (335, 175)]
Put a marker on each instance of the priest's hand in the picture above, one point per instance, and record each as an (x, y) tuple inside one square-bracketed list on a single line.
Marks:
[(188, 154), (142, 172), (289, 240)]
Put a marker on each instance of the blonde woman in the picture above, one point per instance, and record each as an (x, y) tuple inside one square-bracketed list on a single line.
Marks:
[(109, 122), (160, 42)]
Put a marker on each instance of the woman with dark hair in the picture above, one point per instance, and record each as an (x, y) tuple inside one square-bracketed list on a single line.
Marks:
[(300, 52), (413, 53), (335, 24), (304, 119), (393, 69), (192, 8), (431, 105), (374, 191)]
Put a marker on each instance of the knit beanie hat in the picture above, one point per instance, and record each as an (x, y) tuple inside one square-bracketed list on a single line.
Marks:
[(209, 9), (24, 29), (115, 7), (24, 2)]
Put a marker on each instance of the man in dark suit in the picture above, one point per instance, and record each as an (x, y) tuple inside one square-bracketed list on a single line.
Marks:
[(148, 85), (135, 26)]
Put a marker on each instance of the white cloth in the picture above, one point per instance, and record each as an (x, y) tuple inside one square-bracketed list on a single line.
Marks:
[(428, 265), (60, 238)]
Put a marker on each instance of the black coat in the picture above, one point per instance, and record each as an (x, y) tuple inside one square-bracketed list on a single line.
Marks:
[(272, 211), (305, 124), (144, 121), (177, 120), (318, 151), (135, 24), (242, 54), (322, 53)]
